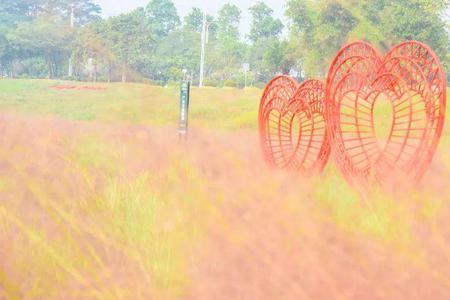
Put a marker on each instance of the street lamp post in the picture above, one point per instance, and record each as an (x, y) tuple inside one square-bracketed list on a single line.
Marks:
[(72, 25), (205, 34)]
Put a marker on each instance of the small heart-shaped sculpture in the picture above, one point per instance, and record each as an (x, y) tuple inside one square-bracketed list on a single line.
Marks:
[(385, 114), (272, 130), (311, 149), (292, 125)]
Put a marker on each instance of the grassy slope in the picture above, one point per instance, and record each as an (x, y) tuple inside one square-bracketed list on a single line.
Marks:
[(211, 108), (133, 103), (151, 214)]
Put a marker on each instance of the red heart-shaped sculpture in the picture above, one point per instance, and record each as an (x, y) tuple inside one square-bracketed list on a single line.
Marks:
[(275, 98), (310, 143), (292, 125), (385, 114)]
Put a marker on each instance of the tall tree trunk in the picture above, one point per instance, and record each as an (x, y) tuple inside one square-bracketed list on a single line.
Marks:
[(124, 72), (13, 69), (91, 77), (95, 72), (49, 66), (109, 72), (56, 67)]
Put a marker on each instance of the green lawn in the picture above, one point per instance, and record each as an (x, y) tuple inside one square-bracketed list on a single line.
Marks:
[(132, 103)]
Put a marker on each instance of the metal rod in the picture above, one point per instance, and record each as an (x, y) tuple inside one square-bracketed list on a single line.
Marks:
[(202, 56)]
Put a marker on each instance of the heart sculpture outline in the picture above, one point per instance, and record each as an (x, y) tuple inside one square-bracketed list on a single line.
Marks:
[(411, 78), (293, 131), (275, 97)]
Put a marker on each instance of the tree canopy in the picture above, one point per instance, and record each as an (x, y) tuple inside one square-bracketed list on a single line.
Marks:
[(162, 17), (263, 24), (321, 27), (154, 43)]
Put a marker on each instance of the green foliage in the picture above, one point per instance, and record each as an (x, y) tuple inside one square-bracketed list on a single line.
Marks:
[(44, 37), (336, 23), (194, 20), (131, 39), (323, 28), (225, 52), (92, 42), (229, 20), (264, 25), (85, 11), (267, 54), (13, 11), (320, 28), (39, 28), (416, 19), (148, 43), (161, 16), (34, 65), (170, 60)]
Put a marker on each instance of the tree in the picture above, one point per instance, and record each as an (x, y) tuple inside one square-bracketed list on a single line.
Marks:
[(11, 13), (36, 39), (416, 19), (85, 11), (91, 42), (263, 23), (227, 53), (179, 50), (270, 56), (228, 22), (29, 13), (162, 17), (276, 58), (194, 21), (266, 54), (318, 31), (336, 22), (321, 28), (45, 37), (131, 40)]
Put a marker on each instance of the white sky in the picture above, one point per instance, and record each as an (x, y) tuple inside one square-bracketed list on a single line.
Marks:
[(115, 7)]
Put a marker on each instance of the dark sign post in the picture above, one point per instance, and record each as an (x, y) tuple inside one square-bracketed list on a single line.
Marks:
[(184, 109)]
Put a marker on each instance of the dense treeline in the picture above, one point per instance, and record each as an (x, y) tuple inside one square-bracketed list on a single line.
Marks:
[(68, 39)]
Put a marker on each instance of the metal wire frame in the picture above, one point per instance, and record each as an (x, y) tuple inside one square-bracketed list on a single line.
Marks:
[(293, 131), (276, 96), (411, 78)]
